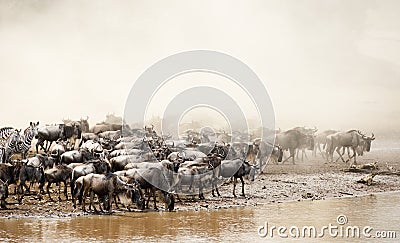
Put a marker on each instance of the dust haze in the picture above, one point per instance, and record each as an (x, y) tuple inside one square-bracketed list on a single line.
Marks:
[(330, 64)]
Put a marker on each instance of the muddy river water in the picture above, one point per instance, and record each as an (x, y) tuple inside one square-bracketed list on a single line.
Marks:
[(379, 214)]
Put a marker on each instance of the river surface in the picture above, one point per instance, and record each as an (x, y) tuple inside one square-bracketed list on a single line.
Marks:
[(381, 212)]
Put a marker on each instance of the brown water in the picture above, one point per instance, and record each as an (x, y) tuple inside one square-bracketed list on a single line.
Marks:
[(381, 211)]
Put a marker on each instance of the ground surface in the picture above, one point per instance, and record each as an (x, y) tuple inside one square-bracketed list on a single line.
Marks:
[(312, 179)]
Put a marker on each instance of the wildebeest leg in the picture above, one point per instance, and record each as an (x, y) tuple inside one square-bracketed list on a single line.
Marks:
[(84, 200), (110, 201), (20, 192), (59, 192), (241, 179), (48, 190), (201, 195), (234, 186), (292, 151), (320, 151), (291, 155), (214, 186), (340, 155), (305, 154), (191, 182), (116, 200), (354, 155), (65, 190), (153, 192), (91, 201)]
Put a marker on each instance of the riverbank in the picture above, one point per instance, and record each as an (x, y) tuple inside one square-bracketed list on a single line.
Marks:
[(312, 179)]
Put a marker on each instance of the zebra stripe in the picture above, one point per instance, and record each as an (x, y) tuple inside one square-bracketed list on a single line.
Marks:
[(2, 155), (9, 144), (26, 140), (5, 132)]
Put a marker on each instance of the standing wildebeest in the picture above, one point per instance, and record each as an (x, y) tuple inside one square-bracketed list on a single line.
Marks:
[(192, 173), (266, 149), (321, 139), (3, 193), (105, 187), (92, 166), (75, 156), (58, 149), (84, 124), (153, 179), (308, 143), (350, 139), (40, 160), (9, 174), (103, 127), (61, 173), (54, 132), (32, 174), (292, 140), (236, 169)]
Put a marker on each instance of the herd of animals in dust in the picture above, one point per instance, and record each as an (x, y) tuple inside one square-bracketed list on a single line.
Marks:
[(127, 167)]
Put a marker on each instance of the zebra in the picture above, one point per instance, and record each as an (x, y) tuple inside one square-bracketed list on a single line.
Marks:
[(8, 145), (26, 140), (5, 132)]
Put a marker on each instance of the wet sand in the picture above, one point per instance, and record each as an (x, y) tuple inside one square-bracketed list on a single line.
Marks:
[(312, 179)]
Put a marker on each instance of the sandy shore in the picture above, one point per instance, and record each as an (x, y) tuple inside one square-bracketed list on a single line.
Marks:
[(312, 179)]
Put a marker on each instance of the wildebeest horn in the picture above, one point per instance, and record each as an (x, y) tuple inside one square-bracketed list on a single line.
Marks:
[(122, 182), (373, 136)]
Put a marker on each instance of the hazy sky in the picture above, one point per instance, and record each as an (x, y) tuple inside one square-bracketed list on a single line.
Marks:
[(333, 64)]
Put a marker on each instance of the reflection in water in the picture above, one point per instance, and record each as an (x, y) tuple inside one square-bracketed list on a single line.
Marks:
[(378, 211)]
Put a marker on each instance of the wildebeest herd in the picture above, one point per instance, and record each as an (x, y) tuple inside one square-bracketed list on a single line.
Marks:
[(124, 166)]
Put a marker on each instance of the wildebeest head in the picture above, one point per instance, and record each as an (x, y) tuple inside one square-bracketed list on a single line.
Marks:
[(366, 141), (84, 124), (278, 152)]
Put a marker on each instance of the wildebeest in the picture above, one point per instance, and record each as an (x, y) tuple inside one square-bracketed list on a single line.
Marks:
[(32, 174), (58, 149), (153, 179), (104, 186), (350, 139), (93, 147), (75, 156), (103, 127), (236, 169), (59, 174), (112, 135), (9, 173), (292, 140), (119, 162), (93, 166), (3, 193), (194, 174), (52, 133), (308, 143), (265, 150), (321, 139)]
